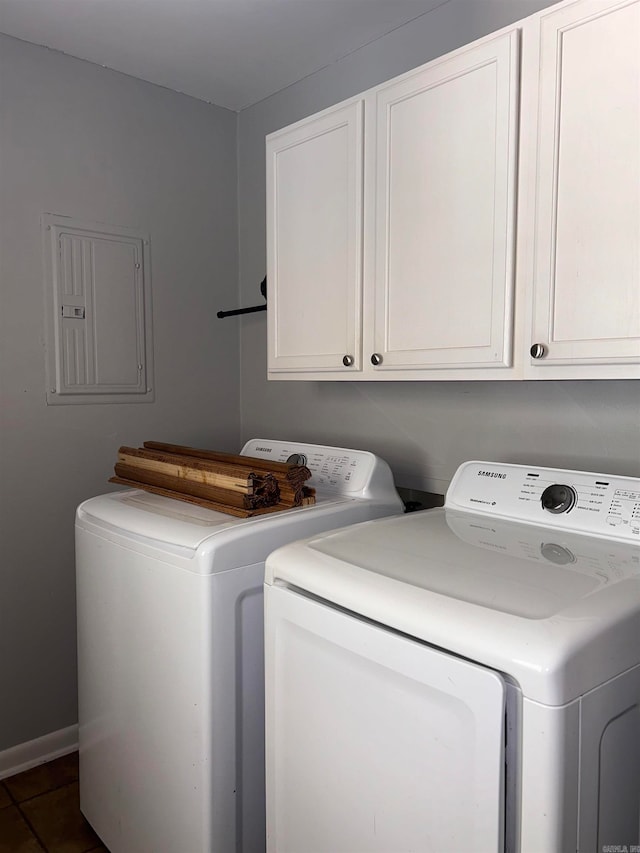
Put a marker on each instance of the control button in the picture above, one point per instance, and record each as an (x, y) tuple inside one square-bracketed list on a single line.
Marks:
[(557, 554), (558, 498), (297, 459)]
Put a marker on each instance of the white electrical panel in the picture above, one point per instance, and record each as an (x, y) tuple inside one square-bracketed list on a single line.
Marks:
[(98, 298)]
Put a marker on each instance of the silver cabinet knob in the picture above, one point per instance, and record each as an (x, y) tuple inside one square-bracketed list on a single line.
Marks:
[(348, 360), (376, 358), (538, 351)]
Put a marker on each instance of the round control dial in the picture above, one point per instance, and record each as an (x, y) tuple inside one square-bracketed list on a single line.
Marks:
[(297, 459), (558, 498)]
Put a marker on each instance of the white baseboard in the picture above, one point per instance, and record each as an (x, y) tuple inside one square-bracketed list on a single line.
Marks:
[(38, 751)]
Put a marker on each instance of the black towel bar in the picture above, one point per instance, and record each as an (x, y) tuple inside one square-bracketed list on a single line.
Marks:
[(253, 309)]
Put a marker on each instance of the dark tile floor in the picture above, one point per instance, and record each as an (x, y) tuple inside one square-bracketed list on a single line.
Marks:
[(40, 810)]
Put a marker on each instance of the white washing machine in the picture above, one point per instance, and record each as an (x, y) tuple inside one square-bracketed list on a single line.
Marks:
[(461, 679), (170, 653)]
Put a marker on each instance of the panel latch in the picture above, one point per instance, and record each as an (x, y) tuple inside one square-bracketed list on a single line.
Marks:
[(73, 312)]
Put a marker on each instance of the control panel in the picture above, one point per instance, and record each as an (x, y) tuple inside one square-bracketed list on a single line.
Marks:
[(596, 504), (356, 473)]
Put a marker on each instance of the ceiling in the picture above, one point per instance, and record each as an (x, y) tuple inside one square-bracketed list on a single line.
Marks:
[(232, 53)]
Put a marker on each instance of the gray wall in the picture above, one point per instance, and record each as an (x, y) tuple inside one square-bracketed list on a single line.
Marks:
[(79, 140), (423, 429)]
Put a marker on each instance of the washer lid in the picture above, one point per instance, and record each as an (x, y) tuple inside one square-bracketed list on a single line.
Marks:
[(560, 612), (351, 485), (178, 525), (140, 515)]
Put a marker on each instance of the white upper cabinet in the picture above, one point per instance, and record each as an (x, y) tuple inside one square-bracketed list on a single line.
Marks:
[(314, 242), (585, 212), (478, 218), (445, 212)]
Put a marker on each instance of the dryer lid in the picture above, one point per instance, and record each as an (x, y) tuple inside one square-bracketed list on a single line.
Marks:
[(558, 611)]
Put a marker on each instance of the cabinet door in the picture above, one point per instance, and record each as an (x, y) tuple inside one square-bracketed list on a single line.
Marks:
[(586, 273), (445, 183), (314, 243)]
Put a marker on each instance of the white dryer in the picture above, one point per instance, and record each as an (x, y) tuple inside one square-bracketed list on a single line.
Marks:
[(461, 679), (170, 653)]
